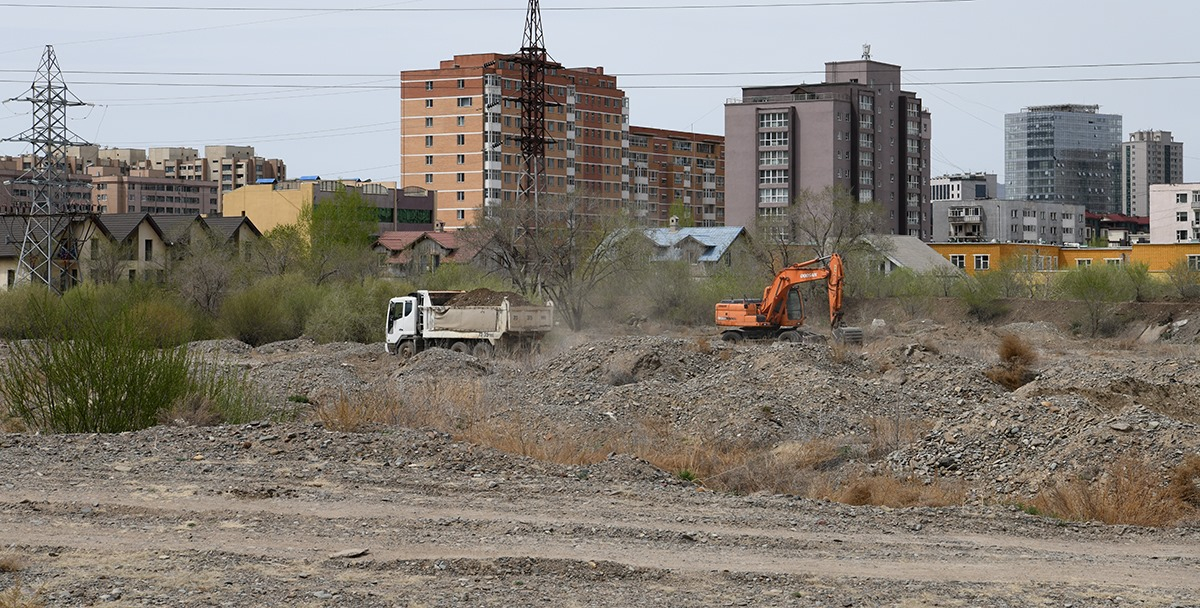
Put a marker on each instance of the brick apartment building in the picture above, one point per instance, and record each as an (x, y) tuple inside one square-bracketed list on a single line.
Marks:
[(859, 130), (460, 125), (668, 167)]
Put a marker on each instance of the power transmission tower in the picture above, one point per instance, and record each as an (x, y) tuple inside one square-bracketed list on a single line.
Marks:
[(534, 62), (48, 251)]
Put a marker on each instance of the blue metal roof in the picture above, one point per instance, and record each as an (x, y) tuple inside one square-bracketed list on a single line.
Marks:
[(310, 178), (716, 241), (264, 180)]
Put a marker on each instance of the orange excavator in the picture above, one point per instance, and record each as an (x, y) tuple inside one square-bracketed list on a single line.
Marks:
[(779, 314)]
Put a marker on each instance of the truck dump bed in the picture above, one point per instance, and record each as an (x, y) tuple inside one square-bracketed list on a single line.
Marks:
[(488, 319)]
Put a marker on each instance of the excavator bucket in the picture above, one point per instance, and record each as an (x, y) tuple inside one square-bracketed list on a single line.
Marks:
[(848, 335)]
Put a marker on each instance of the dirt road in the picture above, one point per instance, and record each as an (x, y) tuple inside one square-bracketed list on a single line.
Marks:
[(253, 515)]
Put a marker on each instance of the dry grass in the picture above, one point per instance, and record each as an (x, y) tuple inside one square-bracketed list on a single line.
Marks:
[(817, 468), (17, 597), (881, 490), (1016, 358), (1129, 492), (356, 413), (11, 562)]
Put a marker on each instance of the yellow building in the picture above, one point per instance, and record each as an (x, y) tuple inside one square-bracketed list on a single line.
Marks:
[(279, 203), (981, 257)]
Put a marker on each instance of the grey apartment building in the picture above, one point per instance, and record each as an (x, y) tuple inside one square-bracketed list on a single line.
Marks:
[(858, 129), (1063, 154), (1147, 158)]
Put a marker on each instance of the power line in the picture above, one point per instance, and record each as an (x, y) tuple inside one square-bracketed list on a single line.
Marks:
[(492, 9), (1064, 66)]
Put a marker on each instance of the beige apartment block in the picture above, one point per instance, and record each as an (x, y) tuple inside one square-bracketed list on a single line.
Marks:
[(118, 190), (669, 167), (460, 129)]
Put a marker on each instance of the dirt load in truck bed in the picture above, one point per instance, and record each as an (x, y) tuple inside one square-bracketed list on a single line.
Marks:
[(486, 297)]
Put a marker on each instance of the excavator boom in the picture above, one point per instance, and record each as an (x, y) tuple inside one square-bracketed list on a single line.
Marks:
[(780, 312)]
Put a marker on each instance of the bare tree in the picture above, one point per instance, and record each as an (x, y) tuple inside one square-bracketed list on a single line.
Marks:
[(563, 250), (815, 224), (204, 271), (108, 260), (280, 251)]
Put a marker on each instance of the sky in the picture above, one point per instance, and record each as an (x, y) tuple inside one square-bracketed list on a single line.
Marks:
[(316, 85)]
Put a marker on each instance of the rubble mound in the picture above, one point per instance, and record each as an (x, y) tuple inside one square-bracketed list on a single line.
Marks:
[(486, 297), (440, 362)]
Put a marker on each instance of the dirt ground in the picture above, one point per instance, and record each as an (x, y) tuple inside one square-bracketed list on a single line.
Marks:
[(296, 514)]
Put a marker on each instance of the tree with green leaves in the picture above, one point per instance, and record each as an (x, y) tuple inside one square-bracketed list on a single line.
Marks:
[(339, 231), (683, 212)]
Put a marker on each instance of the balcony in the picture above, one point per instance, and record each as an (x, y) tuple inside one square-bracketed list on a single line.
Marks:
[(966, 219)]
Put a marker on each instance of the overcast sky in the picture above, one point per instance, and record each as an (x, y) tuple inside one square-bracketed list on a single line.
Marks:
[(347, 125)]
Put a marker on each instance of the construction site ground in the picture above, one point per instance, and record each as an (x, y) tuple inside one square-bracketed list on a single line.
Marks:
[(294, 513)]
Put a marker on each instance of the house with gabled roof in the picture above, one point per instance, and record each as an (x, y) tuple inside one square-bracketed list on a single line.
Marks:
[(414, 252), (703, 248)]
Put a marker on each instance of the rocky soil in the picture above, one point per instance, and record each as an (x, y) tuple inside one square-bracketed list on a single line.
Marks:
[(294, 513)]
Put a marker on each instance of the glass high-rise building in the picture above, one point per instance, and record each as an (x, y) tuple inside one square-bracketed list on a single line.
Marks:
[(1064, 154)]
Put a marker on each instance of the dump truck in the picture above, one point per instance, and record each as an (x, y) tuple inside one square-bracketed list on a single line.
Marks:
[(779, 313), (476, 322)]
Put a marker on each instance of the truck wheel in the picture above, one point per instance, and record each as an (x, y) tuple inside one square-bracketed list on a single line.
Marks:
[(732, 336), (460, 347), (790, 336), (406, 350), (482, 350)]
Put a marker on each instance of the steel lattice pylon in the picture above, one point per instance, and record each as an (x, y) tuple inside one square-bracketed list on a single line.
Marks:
[(534, 62), (48, 251)]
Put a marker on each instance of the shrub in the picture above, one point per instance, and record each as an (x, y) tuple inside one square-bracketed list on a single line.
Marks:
[(111, 377), (106, 378), (27, 311), (1129, 492), (1185, 279), (274, 309), (163, 322), (1097, 287), (354, 313), (981, 296), (1016, 358)]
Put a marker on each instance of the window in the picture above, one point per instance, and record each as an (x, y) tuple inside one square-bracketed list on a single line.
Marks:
[(428, 141), (429, 159), (1181, 235), (772, 195), (148, 255), (460, 196), (773, 176), (1181, 216), (428, 85), (462, 84), (461, 159), (768, 120), (460, 121), (461, 214), (772, 139), (1181, 197), (464, 102), (1193, 262), (429, 178), (428, 123), (1112, 261), (1083, 262), (12, 278), (959, 260), (983, 261), (460, 177), (776, 157), (461, 139), (429, 103)]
